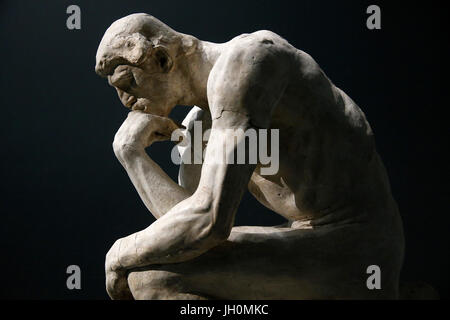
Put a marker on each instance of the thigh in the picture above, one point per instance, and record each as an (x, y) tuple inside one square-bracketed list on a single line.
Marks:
[(270, 263)]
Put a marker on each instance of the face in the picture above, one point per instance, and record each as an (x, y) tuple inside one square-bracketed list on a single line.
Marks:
[(149, 86)]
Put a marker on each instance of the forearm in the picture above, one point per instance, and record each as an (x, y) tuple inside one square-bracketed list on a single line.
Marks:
[(197, 223), (193, 226), (180, 235), (156, 189)]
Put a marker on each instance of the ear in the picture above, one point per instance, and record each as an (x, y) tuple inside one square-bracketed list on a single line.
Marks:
[(189, 44), (163, 59)]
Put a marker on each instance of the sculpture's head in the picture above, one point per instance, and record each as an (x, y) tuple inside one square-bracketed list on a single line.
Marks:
[(142, 58)]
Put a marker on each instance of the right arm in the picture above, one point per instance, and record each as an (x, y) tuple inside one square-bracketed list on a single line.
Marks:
[(156, 189)]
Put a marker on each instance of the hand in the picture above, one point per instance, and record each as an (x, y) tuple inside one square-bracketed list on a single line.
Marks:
[(117, 286), (116, 277), (140, 130)]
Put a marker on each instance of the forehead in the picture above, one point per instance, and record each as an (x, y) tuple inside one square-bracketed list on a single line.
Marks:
[(122, 43), (120, 49)]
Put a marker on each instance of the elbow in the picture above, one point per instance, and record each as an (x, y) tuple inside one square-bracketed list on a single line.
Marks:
[(219, 235), (212, 227), (218, 231), (211, 238), (210, 232)]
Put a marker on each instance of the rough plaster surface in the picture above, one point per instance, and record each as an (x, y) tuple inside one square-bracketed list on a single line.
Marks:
[(331, 185)]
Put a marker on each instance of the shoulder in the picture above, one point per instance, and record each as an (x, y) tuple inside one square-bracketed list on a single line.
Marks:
[(265, 46), (250, 73), (257, 38), (250, 49)]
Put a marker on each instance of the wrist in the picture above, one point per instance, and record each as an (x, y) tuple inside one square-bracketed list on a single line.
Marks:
[(128, 252), (127, 150), (112, 261)]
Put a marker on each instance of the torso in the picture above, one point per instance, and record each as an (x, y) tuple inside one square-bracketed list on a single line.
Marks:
[(328, 166)]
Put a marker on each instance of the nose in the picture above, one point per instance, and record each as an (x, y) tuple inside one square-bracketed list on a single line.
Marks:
[(109, 81), (99, 68)]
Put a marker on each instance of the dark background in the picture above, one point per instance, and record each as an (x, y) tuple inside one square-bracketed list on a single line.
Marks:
[(65, 198)]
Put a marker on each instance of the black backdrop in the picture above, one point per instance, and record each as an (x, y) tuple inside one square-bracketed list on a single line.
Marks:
[(65, 198)]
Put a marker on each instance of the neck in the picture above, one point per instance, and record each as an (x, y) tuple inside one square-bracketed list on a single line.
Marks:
[(200, 64)]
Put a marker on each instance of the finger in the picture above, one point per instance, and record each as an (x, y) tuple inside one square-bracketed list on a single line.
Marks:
[(117, 286), (166, 125)]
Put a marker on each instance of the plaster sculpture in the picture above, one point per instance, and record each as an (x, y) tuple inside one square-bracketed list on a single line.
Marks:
[(331, 185)]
